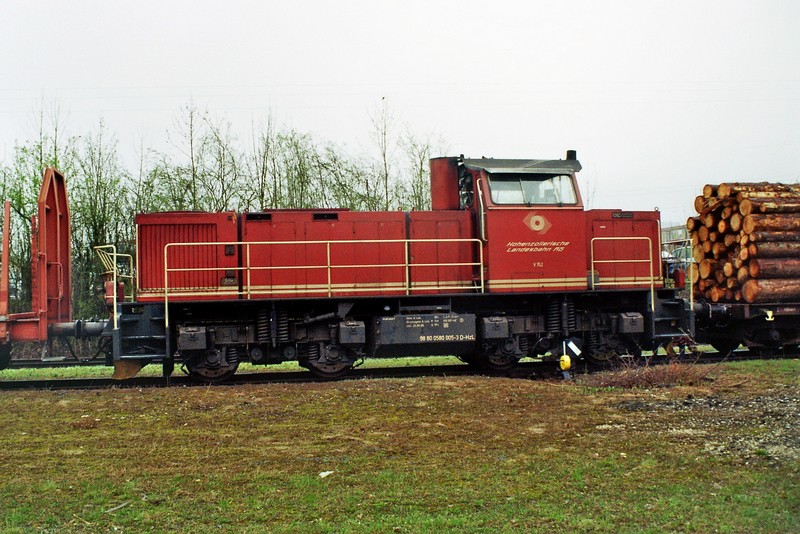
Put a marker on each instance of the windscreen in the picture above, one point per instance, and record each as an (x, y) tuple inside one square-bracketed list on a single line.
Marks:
[(532, 189)]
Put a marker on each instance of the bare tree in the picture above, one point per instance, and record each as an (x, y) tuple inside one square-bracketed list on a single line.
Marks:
[(383, 121), (417, 153), (262, 189), (221, 175), (144, 191), (22, 180), (99, 204), (185, 176)]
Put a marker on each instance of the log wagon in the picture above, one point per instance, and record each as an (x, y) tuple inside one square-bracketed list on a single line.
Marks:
[(746, 272)]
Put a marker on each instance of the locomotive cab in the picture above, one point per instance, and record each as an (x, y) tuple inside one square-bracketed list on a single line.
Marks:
[(593, 276), (530, 217)]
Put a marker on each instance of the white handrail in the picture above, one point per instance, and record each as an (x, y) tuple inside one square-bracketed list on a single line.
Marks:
[(649, 260), (247, 290), (110, 260)]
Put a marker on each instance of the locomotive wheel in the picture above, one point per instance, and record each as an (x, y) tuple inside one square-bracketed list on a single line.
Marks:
[(328, 370), (213, 365), (210, 375), (603, 356), (614, 352), (327, 361), (498, 356), (498, 361)]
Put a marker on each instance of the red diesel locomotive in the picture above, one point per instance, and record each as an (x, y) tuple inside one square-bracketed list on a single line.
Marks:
[(506, 265)]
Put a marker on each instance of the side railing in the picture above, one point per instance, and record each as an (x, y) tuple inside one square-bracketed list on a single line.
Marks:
[(111, 261), (648, 280), (679, 252), (250, 268)]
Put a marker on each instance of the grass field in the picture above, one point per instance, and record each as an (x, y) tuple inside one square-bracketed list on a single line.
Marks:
[(409, 455), (105, 371)]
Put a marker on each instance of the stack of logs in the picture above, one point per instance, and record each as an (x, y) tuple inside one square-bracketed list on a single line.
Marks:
[(746, 242)]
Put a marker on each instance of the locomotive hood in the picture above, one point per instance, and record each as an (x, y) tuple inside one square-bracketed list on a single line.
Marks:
[(524, 166)]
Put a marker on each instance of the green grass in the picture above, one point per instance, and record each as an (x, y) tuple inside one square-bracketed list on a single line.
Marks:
[(781, 372), (104, 371), (407, 455)]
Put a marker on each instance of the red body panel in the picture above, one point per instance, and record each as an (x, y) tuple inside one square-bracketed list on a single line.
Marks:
[(536, 249), (624, 248), (313, 253), (343, 253), (299, 253), (558, 249), (447, 265), (199, 270)]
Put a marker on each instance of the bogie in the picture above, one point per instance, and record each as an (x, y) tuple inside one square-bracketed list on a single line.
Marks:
[(212, 365)]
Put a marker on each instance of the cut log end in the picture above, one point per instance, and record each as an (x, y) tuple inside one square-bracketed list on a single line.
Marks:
[(751, 291), (778, 290), (707, 268)]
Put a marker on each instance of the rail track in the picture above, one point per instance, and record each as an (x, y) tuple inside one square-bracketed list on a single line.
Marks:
[(526, 370), (54, 363)]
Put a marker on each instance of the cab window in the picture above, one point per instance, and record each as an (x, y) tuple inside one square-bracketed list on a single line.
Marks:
[(532, 189)]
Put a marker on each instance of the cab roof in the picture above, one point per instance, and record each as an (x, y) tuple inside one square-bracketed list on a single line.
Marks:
[(524, 166)]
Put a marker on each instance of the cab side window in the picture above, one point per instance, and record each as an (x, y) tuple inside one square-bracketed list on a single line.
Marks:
[(532, 189)]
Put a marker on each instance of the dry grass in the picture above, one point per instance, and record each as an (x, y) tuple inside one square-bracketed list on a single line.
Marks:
[(645, 375)]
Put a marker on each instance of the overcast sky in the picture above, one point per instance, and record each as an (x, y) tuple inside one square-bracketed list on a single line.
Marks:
[(658, 98)]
